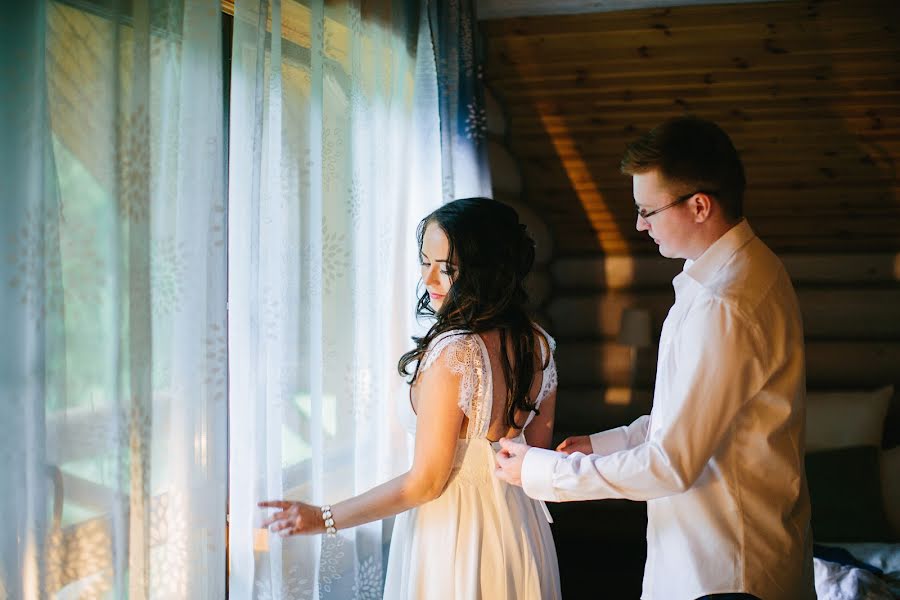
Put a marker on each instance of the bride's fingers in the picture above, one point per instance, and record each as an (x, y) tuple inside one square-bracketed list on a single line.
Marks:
[(271, 519), (295, 528), (283, 514), (282, 525), (282, 504)]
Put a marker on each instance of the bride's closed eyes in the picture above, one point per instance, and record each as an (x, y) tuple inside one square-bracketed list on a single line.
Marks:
[(426, 264), (447, 269)]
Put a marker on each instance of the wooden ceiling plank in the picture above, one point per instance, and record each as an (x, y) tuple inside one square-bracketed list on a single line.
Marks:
[(698, 17)]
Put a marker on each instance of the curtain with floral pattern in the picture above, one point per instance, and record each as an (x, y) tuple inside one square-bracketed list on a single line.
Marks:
[(458, 58), (112, 301), (164, 344), (334, 158)]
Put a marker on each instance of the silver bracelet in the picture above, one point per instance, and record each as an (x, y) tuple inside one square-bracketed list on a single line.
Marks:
[(330, 529)]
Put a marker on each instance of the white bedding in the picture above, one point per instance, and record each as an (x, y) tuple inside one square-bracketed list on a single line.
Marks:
[(840, 582)]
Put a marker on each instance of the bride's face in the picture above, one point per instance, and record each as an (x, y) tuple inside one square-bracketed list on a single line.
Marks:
[(436, 271)]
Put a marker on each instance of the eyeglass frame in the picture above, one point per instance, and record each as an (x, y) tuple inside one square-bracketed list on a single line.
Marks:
[(678, 200)]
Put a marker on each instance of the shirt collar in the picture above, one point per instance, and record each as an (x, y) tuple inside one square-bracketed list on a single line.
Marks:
[(713, 258)]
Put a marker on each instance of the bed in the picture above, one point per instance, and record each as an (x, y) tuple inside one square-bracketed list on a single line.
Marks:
[(853, 470)]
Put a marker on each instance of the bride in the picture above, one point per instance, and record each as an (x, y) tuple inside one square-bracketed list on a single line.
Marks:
[(483, 371)]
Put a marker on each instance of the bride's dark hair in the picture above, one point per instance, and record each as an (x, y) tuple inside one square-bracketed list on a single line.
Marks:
[(490, 253)]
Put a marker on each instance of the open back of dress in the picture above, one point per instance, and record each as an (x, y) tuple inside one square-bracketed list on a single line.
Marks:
[(481, 538)]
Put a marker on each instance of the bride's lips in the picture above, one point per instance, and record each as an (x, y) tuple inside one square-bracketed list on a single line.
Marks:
[(435, 296)]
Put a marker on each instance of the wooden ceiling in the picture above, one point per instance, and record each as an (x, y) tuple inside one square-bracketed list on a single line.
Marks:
[(809, 91), (504, 9)]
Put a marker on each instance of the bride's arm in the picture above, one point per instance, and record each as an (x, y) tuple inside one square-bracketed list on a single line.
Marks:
[(437, 428), (539, 432)]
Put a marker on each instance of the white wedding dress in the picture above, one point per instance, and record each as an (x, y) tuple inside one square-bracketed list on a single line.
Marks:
[(481, 538)]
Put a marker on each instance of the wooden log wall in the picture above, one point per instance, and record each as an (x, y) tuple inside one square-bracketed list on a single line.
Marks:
[(851, 316), (809, 91)]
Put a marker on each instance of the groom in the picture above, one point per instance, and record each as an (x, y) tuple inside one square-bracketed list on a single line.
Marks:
[(720, 458)]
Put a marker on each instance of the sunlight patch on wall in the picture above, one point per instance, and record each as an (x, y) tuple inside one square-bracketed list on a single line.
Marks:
[(617, 396), (618, 271), (612, 241)]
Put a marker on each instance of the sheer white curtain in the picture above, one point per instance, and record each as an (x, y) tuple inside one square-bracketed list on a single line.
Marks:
[(334, 158), (112, 301)]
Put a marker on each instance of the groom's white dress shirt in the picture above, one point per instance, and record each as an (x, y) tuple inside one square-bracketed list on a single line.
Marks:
[(719, 460)]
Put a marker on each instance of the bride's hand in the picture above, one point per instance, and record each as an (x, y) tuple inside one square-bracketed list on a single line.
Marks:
[(576, 443), (293, 518)]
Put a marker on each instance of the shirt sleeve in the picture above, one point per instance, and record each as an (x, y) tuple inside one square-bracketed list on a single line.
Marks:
[(621, 438), (717, 355)]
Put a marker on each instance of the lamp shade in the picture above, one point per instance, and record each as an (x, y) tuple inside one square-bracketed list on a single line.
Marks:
[(635, 328)]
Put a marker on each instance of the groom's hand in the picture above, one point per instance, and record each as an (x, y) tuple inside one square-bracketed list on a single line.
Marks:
[(576, 443), (509, 461)]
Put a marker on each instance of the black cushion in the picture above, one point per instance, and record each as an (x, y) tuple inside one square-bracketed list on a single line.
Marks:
[(845, 492)]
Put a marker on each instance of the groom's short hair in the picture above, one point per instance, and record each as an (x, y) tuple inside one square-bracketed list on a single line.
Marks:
[(693, 154)]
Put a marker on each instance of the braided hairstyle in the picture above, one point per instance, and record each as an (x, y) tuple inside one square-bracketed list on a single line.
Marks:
[(492, 253)]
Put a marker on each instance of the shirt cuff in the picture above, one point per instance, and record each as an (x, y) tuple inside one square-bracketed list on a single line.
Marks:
[(538, 469), (609, 442)]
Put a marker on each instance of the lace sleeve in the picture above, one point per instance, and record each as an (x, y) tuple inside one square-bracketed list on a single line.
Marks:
[(461, 354), (550, 379)]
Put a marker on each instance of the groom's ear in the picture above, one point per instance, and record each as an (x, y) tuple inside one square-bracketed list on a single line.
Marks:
[(701, 206)]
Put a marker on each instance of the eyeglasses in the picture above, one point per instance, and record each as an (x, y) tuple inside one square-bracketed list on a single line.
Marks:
[(642, 212)]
